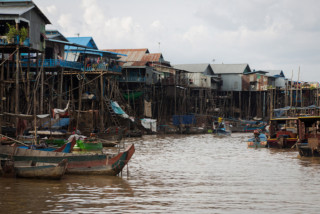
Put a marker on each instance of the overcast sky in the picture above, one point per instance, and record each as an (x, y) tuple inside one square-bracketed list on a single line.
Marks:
[(266, 34)]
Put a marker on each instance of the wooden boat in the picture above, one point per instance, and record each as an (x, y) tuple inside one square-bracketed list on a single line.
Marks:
[(308, 142), (87, 164), (109, 141), (282, 133), (260, 141), (30, 169), (221, 128), (237, 125), (66, 148), (56, 142), (221, 132)]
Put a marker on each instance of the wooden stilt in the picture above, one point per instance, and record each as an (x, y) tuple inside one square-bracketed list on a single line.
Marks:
[(2, 90), (101, 101)]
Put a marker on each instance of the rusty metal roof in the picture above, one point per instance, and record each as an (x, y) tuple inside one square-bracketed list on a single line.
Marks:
[(137, 57), (133, 55), (154, 57)]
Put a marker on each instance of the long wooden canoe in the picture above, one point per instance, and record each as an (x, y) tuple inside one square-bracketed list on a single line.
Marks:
[(88, 164), (28, 169)]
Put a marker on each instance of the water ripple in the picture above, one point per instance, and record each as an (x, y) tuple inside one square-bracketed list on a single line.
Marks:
[(180, 174)]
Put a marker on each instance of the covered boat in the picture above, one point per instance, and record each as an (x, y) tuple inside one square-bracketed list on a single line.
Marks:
[(309, 136), (283, 132)]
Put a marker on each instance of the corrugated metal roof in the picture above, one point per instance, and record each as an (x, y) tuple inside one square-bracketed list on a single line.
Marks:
[(15, 0), (55, 34), (85, 41), (16, 10), (195, 68), (134, 57), (154, 57), (275, 73), (229, 68), (138, 57), (12, 7)]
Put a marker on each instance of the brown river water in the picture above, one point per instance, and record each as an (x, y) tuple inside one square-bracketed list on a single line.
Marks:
[(180, 174)]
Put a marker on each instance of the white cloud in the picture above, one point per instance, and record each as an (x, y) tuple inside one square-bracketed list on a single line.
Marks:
[(278, 34), (52, 9)]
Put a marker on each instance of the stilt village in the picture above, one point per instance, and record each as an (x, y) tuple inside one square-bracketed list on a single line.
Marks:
[(53, 86)]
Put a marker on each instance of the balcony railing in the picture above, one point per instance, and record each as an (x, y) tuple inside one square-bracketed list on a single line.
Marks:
[(4, 41), (131, 79), (51, 63), (103, 67)]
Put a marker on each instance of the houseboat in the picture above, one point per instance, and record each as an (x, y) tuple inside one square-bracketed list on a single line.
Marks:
[(309, 135), (282, 133)]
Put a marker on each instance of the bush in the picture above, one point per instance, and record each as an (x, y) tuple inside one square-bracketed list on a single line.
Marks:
[(23, 34), (12, 33)]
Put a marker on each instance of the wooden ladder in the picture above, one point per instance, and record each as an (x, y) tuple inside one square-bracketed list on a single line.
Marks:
[(114, 117)]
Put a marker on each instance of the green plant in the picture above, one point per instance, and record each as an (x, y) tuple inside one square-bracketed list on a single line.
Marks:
[(23, 34), (12, 32)]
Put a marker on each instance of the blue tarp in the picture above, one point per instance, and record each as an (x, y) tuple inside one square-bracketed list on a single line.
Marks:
[(280, 111), (116, 108), (61, 123), (183, 119)]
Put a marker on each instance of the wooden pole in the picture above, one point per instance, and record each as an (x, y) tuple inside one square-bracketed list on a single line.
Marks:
[(264, 105), (79, 102), (8, 78), (35, 113), (42, 85), (2, 83), (291, 97), (2, 90), (297, 88), (17, 81), (240, 107), (175, 94), (249, 104), (101, 102), (28, 79), (271, 104), (60, 85)]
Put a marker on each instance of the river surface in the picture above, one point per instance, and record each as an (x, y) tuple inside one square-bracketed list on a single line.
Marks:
[(180, 174)]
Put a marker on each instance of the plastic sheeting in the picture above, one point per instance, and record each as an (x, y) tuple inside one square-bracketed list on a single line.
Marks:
[(133, 95), (63, 122), (57, 112), (149, 124), (118, 110), (281, 111), (183, 119)]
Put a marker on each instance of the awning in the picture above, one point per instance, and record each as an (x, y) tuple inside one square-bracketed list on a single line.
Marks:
[(133, 95), (26, 116)]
